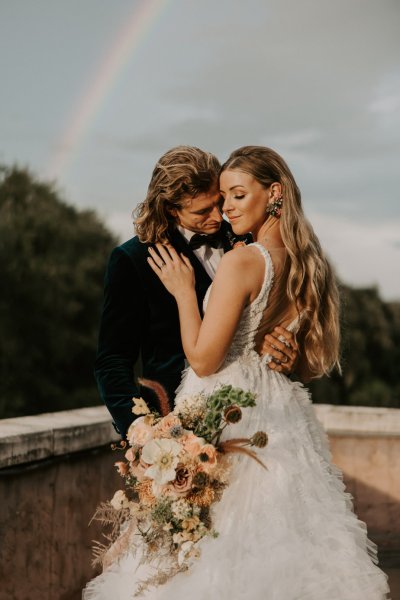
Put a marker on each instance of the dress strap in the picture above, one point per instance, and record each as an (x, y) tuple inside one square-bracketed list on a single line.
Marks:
[(268, 276)]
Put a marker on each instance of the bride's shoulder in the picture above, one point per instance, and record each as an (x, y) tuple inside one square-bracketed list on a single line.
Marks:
[(241, 259)]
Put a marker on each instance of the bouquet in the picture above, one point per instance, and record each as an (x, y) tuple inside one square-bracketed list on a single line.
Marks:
[(176, 468)]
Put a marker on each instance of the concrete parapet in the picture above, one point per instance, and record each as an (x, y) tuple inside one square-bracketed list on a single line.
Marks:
[(56, 468), (27, 439)]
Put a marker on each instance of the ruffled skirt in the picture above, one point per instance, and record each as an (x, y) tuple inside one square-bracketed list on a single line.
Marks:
[(286, 533)]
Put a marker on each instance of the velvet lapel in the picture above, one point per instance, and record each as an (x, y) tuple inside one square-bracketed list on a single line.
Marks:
[(203, 280)]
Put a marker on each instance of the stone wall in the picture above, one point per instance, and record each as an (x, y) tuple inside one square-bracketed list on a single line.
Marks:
[(46, 504), (56, 468)]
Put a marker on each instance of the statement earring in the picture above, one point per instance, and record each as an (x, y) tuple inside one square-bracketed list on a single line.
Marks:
[(275, 208)]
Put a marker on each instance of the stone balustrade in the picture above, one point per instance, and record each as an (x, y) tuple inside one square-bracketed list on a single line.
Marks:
[(55, 469)]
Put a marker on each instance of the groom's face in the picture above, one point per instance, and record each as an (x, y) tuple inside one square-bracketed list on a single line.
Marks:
[(202, 213)]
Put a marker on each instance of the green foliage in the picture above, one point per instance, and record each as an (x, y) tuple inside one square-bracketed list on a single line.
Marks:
[(371, 353), (52, 259), (221, 399)]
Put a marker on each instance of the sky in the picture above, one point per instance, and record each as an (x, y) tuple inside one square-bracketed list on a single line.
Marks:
[(93, 92)]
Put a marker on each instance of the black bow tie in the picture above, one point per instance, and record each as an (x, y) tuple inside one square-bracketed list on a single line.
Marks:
[(214, 240)]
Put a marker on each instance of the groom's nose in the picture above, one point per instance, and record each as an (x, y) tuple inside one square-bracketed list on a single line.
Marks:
[(216, 215)]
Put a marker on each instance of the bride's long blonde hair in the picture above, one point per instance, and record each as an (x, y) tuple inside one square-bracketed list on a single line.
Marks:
[(311, 282)]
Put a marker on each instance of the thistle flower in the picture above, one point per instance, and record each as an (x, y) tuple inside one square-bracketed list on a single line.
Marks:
[(259, 439), (176, 431), (233, 414)]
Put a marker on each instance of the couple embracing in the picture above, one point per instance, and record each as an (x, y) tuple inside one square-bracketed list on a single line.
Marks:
[(287, 533)]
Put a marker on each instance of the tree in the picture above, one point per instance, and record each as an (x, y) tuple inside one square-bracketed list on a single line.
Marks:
[(370, 355), (52, 260)]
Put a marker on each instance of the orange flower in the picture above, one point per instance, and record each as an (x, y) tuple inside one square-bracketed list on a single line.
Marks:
[(208, 457), (122, 468), (192, 444), (203, 498)]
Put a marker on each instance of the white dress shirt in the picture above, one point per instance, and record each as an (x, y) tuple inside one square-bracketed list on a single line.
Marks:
[(208, 256)]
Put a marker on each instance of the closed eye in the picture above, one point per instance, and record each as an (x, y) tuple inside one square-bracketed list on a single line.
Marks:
[(202, 212)]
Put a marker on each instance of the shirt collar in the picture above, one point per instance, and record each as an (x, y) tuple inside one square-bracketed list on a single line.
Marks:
[(187, 234)]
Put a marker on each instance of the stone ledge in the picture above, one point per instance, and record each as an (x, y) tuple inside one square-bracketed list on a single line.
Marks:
[(359, 421), (27, 439)]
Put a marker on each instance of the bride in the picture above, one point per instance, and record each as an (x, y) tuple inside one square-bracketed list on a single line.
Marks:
[(288, 533)]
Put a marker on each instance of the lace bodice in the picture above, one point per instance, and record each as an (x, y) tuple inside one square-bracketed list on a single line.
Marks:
[(243, 340)]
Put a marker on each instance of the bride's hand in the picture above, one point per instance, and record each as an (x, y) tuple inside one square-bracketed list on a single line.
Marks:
[(174, 270)]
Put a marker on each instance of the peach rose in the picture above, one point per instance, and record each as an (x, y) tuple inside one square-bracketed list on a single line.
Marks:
[(130, 455), (164, 426), (192, 444), (138, 469), (207, 457), (139, 432), (182, 483)]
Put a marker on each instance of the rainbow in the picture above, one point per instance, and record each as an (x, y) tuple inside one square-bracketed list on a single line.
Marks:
[(128, 40)]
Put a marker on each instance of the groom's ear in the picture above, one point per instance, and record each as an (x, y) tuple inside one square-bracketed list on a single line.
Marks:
[(173, 212)]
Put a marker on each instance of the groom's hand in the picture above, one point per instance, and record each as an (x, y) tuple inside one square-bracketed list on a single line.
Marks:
[(282, 346)]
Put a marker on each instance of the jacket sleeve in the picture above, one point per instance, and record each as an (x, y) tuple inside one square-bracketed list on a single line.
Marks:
[(120, 338)]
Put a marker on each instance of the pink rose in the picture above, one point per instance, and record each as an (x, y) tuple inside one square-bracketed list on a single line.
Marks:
[(138, 469), (139, 432), (130, 455), (164, 426)]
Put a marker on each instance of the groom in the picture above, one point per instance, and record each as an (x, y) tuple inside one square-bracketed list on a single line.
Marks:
[(140, 317)]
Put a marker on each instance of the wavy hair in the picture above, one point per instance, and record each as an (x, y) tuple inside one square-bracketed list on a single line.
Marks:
[(182, 172), (311, 282)]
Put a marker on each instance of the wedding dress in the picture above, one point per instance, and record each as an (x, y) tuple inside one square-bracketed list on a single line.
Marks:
[(288, 533)]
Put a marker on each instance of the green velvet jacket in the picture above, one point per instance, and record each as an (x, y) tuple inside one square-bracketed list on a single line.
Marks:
[(140, 319)]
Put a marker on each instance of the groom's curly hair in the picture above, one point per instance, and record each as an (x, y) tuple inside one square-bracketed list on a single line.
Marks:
[(182, 172)]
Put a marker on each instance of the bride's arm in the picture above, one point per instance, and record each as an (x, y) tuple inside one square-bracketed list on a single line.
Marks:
[(206, 342)]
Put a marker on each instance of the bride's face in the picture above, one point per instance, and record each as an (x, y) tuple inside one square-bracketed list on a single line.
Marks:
[(245, 201)]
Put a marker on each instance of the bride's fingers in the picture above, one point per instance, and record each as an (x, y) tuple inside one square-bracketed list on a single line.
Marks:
[(157, 260), (157, 270), (165, 255), (173, 253)]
